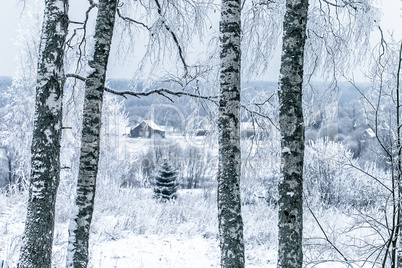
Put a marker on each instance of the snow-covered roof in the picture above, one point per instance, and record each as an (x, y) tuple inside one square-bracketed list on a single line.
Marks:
[(370, 132), (152, 125)]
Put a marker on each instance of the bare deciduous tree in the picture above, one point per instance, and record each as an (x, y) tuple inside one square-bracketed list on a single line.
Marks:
[(229, 203), (291, 122), (382, 108), (77, 255), (36, 250)]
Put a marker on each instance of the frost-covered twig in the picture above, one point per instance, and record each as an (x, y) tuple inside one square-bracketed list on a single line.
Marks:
[(259, 114), (176, 41), (161, 91), (125, 18), (325, 234), (82, 42)]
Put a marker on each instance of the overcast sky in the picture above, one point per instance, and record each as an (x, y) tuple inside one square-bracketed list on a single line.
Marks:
[(10, 12)]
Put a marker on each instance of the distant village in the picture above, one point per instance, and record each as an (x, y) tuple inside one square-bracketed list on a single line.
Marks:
[(149, 129)]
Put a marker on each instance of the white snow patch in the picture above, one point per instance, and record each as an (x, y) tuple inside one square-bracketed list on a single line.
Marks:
[(286, 150), (59, 4), (48, 133), (155, 251), (370, 133), (53, 101), (291, 194)]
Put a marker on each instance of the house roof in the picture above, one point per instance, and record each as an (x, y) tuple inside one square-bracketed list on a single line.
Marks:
[(370, 133), (152, 125)]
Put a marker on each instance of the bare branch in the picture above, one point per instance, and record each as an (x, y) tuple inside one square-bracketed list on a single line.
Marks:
[(326, 237), (161, 91), (344, 4), (360, 92), (259, 114), (132, 20), (164, 92), (368, 174), (82, 42), (75, 22), (180, 50)]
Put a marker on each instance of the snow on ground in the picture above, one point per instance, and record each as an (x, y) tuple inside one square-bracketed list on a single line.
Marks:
[(130, 229), (155, 251), (147, 234)]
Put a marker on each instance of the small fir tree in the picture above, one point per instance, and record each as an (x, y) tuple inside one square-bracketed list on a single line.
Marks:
[(166, 185)]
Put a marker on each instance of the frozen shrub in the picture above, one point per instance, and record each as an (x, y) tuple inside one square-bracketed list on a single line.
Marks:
[(332, 177), (195, 166), (260, 172)]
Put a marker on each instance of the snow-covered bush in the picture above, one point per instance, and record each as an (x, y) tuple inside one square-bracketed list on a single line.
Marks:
[(17, 125), (195, 166), (113, 164), (260, 171), (334, 178)]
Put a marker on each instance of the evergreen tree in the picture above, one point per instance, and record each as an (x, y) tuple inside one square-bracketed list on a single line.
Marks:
[(165, 183)]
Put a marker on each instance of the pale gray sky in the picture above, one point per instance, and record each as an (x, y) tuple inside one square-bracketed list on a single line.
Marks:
[(9, 16), (10, 12)]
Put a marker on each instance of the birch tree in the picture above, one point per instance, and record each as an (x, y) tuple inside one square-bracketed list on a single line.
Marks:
[(77, 255), (291, 123), (229, 203), (36, 250), (80, 222)]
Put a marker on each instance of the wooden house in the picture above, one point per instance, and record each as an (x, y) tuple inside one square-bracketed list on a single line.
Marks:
[(146, 129)]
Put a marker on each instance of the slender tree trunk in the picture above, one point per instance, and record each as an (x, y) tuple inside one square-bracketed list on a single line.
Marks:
[(77, 255), (291, 122), (36, 250), (399, 165), (10, 171), (229, 203)]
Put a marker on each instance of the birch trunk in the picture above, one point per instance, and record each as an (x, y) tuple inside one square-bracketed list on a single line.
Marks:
[(291, 122), (36, 250), (229, 203), (80, 222)]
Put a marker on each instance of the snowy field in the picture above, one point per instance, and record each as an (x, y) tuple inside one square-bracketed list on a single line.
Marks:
[(136, 231), (131, 229)]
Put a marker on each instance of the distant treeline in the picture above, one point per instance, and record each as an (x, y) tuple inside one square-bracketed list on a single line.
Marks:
[(141, 108)]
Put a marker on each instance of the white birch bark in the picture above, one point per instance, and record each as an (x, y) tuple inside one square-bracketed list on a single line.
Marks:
[(77, 255), (229, 203), (36, 250), (291, 122)]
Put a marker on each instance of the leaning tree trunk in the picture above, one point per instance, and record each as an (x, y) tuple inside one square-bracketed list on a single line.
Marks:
[(36, 250), (229, 203), (291, 122), (77, 255)]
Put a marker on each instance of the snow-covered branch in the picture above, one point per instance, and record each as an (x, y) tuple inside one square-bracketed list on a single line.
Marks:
[(161, 91)]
